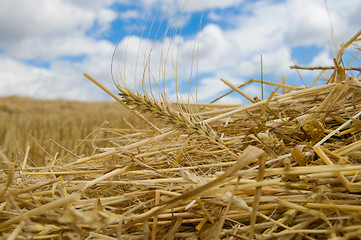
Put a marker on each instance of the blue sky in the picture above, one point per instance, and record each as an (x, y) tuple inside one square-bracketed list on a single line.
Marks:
[(46, 45)]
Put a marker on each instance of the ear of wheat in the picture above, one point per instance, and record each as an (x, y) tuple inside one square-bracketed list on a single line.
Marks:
[(164, 111)]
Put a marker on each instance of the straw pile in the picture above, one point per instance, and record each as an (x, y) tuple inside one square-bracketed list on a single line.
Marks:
[(287, 167)]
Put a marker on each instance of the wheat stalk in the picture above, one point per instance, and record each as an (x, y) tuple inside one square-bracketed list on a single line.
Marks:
[(163, 110), (179, 119)]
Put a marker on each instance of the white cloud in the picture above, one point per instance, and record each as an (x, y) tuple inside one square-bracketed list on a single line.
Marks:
[(210, 88), (252, 90), (274, 62), (54, 31), (214, 48), (42, 19), (50, 32), (231, 100), (96, 4), (21, 79), (189, 5), (44, 29), (322, 59), (50, 49), (196, 5), (178, 12), (130, 14), (104, 17), (233, 52), (322, 22), (214, 16), (308, 23), (137, 59)]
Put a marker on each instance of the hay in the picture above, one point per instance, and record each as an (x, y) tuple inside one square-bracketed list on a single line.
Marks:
[(286, 167)]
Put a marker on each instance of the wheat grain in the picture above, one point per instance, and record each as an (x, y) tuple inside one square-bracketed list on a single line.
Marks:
[(164, 111)]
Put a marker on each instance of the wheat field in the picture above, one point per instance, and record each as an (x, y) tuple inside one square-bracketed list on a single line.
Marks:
[(47, 129)]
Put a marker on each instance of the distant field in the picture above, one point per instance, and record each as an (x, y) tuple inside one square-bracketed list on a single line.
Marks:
[(29, 122)]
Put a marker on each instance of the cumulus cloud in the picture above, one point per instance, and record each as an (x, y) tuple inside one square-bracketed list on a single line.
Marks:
[(46, 45), (195, 5), (21, 79), (309, 26), (189, 5), (54, 35), (130, 14), (322, 59), (41, 19), (47, 29)]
